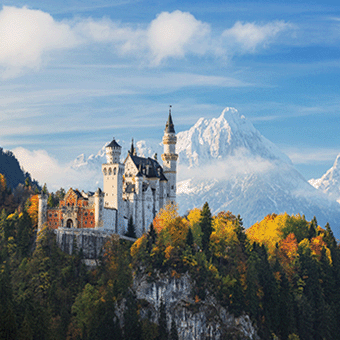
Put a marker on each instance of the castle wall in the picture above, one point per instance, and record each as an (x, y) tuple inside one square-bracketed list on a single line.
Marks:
[(109, 218)]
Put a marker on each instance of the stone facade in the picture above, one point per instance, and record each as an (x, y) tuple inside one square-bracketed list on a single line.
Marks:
[(136, 188)]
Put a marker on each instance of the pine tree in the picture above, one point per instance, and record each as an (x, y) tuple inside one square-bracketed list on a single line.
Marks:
[(205, 224), (132, 328), (173, 330), (162, 323), (190, 238), (131, 229)]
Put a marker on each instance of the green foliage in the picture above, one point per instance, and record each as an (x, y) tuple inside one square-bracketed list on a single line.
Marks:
[(131, 229), (173, 331), (287, 284), (205, 225), (162, 323)]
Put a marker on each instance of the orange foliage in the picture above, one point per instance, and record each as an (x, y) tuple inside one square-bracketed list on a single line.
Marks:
[(3, 184), (33, 210), (288, 252)]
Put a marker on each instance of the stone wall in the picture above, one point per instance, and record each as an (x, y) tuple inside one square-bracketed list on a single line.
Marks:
[(91, 241)]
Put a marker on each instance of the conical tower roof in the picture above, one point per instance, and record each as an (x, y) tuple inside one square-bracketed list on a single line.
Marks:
[(169, 127)]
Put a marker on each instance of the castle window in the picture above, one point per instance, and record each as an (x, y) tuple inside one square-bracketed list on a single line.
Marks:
[(49, 215), (85, 222), (91, 222), (172, 187), (91, 213), (85, 214), (105, 172), (55, 215), (110, 171), (114, 171)]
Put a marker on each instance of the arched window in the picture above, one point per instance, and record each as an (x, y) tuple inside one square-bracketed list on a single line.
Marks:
[(114, 171), (110, 171), (105, 171), (69, 224)]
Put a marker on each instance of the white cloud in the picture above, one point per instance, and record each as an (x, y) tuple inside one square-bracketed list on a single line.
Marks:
[(242, 163), (306, 156), (174, 34), (46, 169), (249, 36), (27, 34)]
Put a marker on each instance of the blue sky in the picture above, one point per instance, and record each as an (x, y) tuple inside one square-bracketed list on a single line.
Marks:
[(75, 73)]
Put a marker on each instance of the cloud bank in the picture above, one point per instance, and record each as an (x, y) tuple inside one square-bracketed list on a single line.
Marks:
[(29, 37), (46, 169)]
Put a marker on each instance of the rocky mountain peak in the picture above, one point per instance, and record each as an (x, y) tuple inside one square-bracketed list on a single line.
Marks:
[(218, 138)]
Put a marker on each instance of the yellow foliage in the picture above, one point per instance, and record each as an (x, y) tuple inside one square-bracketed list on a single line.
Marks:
[(140, 243), (194, 217), (223, 235), (33, 210), (178, 231), (316, 245), (165, 216), (268, 231)]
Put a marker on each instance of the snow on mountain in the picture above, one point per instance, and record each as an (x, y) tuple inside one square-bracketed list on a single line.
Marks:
[(228, 163), (221, 137), (329, 183)]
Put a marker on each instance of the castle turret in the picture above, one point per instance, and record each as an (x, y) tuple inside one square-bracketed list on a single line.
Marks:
[(169, 158), (113, 176), (113, 151), (98, 208), (42, 210)]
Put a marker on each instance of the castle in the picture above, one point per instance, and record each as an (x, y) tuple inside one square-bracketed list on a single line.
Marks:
[(135, 189)]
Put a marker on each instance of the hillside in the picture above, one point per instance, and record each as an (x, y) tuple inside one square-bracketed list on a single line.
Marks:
[(10, 168)]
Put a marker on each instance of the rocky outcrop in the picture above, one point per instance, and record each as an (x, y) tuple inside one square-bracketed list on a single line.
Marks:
[(195, 320)]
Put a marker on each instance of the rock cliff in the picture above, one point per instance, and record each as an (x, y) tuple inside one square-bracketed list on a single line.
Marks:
[(195, 320)]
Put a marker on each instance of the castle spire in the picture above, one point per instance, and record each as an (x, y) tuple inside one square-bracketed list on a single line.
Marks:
[(169, 127), (132, 150)]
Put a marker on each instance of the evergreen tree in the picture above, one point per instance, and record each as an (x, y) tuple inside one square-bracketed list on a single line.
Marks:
[(8, 327), (131, 229), (132, 328), (151, 237), (206, 227), (173, 330), (162, 323), (190, 239)]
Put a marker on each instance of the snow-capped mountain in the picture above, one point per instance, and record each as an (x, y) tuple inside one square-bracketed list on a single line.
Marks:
[(219, 138), (228, 163), (329, 183)]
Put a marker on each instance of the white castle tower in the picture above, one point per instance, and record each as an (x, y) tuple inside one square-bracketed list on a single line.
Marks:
[(113, 172), (169, 158)]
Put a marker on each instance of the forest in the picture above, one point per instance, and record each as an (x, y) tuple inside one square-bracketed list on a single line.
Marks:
[(283, 272)]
